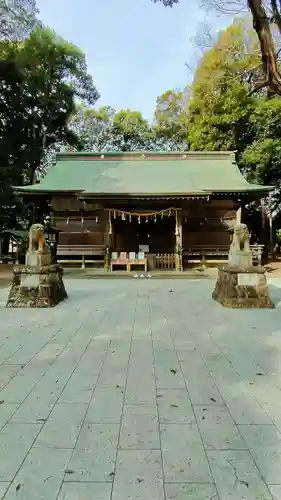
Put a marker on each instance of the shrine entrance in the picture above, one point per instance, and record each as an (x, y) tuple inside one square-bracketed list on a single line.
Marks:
[(152, 238), (141, 235)]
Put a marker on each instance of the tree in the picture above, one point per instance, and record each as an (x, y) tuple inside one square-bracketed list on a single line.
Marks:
[(17, 18), (266, 17), (93, 127), (103, 129), (220, 102), (131, 132), (41, 78), (261, 158), (223, 114), (170, 119)]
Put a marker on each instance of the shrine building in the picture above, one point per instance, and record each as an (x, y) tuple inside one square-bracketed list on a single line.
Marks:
[(162, 210)]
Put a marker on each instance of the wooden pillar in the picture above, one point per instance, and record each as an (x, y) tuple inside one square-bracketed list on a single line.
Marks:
[(178, 233), (270, 235), (264, 238), (109, 242), (83, 262)]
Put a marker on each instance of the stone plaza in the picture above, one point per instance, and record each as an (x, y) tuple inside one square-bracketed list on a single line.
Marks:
[(140, 390)]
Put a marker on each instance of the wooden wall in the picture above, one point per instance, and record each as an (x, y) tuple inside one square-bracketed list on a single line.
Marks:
[(201, 225), (79, 223)]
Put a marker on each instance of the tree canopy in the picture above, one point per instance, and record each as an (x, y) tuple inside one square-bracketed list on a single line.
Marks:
[(266, 19), (41, 78), (104, 129), (47, 102), (170, 119), (17, 18), (223, 114), (220, 93)]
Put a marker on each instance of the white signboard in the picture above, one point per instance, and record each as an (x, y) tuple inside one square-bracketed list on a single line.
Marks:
[(248, 279), (29, 280), (144, 248)]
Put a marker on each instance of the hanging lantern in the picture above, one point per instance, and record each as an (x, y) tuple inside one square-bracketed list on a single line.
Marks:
[(130, 217), (97, 219), (123, 217), (139, 219), (114, 214), (146, 219), (67, 220), (109, 223), (155, 218)]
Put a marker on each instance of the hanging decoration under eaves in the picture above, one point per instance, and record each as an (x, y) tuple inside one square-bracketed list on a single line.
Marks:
[(139, 215)]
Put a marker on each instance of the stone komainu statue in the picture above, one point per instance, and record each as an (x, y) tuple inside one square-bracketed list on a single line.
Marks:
[(241, 239), (37, 239), (240, 252)]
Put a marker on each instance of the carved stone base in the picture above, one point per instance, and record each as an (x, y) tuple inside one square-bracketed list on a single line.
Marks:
[(37, 287), (36, 259), (238, 287)]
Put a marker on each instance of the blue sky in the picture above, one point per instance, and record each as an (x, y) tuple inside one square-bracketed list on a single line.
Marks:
[(135, 49)]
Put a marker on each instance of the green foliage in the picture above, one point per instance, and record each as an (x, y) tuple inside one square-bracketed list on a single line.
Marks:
[(171, 119), (130, 131), (225, 115), (220, 102), (93, 127), (103, 129), (278, 235), (17, 18), (40, 79)]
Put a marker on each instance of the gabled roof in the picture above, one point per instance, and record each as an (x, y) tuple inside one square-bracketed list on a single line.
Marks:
[(144, 174)]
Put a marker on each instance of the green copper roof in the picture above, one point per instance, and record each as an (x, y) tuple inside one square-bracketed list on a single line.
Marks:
[(144, 174)]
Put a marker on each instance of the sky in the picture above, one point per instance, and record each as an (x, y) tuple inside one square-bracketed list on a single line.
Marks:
[(135, 49)]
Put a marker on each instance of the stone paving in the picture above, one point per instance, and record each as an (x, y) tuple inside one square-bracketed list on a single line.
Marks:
[(140, 390)]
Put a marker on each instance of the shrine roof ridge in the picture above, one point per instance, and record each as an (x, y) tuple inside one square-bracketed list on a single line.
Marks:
[(131, 155), (134, 174)]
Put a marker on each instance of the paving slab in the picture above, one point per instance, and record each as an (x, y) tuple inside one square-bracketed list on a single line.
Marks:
[(40, 475), (236, 476), (85, 491), (275, 492), (15, 442), (138, 476), (183, 491), (3, 488), (140, 428), (140, 389), (184, 458)]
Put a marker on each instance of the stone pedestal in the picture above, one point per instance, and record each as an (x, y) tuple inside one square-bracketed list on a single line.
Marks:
[(38, 286), (242, 259), (38, 259), (239, 287)]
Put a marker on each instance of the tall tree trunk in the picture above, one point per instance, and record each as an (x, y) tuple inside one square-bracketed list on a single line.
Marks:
[(262, 26)]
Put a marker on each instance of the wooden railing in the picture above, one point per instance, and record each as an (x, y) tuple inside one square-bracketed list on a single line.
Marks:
[(164, 261), (81, 254), (205, 251)]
